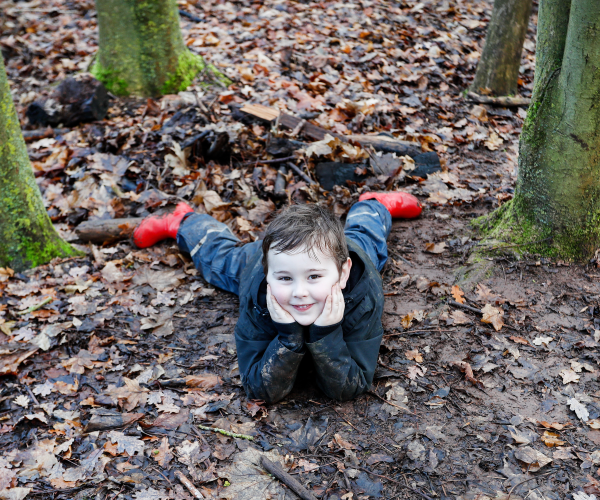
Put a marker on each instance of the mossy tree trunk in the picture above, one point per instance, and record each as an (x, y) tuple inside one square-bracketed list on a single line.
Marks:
[(141, 49), (27, 236), (556, 208), (498, 68)]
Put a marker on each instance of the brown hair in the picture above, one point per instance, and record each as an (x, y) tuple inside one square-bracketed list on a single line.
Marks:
[(310, 226)]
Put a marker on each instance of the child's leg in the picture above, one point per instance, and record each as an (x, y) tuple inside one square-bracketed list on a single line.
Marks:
[(368, 224), (215, 250)]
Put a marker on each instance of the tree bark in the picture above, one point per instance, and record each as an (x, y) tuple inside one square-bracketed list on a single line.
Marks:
[(498, 68), (142, 50), (556, 208), (27, 236)]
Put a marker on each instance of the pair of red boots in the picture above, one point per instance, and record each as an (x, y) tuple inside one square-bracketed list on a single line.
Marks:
[(157, 228)]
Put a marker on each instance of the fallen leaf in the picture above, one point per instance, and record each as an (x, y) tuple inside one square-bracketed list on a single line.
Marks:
[(204, 381), (484, 294), (307, 466), (563, 453), (415, 371), (82, 360), (579, 409), (163, 454), (494, 142), (493, 315), (458, 294), (519, 340), (551, 439), (414, 355), (22, 400), (533, 459), (342, 443), (543, 340), (255, 406), (435, 248), (594, 424), (468, 371), (129, 444), (460, 318), (131, 392), (569, 376)]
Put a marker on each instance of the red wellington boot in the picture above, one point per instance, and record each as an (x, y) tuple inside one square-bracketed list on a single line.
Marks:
[(399, 204), (159, 227)]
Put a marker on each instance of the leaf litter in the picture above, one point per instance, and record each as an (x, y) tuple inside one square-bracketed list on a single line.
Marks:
[(131, 335)]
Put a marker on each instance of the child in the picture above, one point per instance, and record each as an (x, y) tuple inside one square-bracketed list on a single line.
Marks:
[(311, 287)]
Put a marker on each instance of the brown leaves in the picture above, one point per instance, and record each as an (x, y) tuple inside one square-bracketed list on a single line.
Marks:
[(551, 439), (84, 359), (493, 315), (132, 394), (468, 371), (163, 454), (458, 294), (569, 376), (460, 318), (414, 355), (204, 381), (435, 248), (255, 406)]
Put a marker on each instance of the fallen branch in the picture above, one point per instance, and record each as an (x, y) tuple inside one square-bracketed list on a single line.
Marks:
[(188, 484), (225, 433), (464, 306), (390, 403), (102, 231), (35, 307), (191, 16), (304, 177), (499, 101), (285, 478)]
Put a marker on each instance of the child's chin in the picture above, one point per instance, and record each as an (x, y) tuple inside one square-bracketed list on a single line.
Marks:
[(305, 321)]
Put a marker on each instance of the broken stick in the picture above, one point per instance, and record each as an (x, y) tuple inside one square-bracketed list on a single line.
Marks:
[(285, 478), (188, 484), (102, 231), (499, 101)]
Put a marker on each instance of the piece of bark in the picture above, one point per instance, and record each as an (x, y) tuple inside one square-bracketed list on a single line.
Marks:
[(292, 483), (280, 182), (103, 231), (499, 101), (378, 142), (76, 100)]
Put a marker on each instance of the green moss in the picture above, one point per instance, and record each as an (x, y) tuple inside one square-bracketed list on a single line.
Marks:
[(188, 66), (110, 79)]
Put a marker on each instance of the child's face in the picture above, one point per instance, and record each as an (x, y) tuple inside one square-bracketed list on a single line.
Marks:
[(301, 283)]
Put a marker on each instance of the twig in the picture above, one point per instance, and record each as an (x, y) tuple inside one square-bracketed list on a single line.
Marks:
[(34, 399), (275, 160), (390, 403), (292, 483), (225, 433), (30, 309), (188, 484), (526, 480), (464, 306), (499, 101), (194, 18), (300, 173)]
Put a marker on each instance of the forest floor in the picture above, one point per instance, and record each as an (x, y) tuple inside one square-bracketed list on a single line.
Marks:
[(486, 392)]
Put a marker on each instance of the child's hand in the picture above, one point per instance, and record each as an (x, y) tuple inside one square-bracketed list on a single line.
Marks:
[(333, 312), (278, 313)]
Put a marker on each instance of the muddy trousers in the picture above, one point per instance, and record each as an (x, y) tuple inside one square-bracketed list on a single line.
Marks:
[(220, 256)]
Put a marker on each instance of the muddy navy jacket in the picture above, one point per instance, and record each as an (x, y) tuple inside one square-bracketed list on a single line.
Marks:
[(344, 355)]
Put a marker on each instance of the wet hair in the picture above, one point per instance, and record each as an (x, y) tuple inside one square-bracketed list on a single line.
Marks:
[(306, 226)]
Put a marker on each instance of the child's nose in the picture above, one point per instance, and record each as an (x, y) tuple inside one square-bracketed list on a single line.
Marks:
[(300, 290)]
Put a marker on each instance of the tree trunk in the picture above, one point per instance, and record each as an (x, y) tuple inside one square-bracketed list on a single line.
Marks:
[(142, 50), (556, 208), (27, 237), (498, 68)]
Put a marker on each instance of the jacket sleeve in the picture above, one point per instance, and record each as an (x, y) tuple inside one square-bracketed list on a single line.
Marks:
[(345, 363), (267, 367)]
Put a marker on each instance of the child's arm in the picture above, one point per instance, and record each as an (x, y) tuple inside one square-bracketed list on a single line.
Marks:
[(345, 364), (269, 361)]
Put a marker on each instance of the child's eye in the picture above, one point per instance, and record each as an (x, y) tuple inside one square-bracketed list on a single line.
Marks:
[(314, 276), (284, 278)]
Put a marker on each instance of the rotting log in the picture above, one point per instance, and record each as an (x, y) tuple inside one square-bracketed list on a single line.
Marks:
[(107, 230)]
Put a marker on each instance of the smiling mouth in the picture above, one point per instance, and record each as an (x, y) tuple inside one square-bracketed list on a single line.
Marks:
[(303, 308)]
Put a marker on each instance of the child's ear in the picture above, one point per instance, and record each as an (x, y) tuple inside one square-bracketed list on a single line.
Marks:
[(345, 273)]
